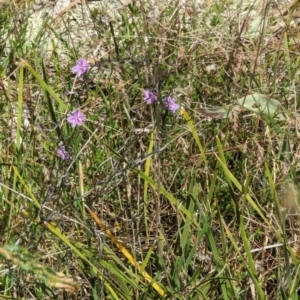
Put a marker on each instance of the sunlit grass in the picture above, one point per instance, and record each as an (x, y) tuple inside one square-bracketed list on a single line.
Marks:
[(151, 201)]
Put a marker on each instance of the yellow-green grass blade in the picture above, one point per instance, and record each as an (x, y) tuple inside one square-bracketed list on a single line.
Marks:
[(121, 277), (56, 231), (194, 133), (186, 231), (146, 259), (181, 208), (43, 84), (35, 201), (251, 269), (146, 183), (126, 253), (231, 178), (277, 207)]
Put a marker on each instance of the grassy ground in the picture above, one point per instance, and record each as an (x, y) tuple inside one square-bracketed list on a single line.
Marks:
[(201, 203)]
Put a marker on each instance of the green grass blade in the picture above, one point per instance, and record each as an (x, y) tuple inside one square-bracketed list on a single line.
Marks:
[(46, 87)]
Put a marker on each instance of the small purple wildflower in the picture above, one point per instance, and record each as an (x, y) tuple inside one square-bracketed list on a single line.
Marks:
[(170, 104), (63, 153), (80, 67), (76, 118), (150, 97)]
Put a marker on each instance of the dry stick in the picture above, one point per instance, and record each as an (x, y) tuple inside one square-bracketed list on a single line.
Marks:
[(286, 10), (54, 18), (66, 9), (156, 158)]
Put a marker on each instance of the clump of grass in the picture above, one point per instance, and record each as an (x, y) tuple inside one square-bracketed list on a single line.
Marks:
[(106, 194)]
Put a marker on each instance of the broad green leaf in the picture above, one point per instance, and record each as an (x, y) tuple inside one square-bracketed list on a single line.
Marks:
[(260, 104), (255, 27)]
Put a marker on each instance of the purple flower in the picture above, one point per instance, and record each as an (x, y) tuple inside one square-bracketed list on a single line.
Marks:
[(80, 67), (76, 118), (171, 105), (63, 153), (150, 97)]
